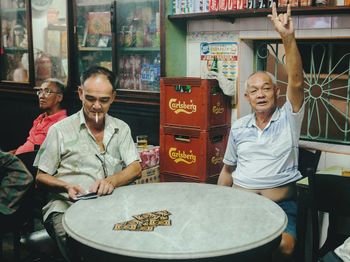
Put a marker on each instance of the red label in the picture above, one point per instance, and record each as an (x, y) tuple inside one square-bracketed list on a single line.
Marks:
[(231, 4), (222, 5), (213, 5)]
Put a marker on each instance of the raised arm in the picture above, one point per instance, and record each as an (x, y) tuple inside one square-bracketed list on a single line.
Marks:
[(283, 24)]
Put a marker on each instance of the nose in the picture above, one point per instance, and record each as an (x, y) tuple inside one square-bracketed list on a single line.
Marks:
[(260, 93), (97, 105)]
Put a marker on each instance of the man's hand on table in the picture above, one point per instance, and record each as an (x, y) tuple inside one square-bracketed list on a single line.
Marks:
[(102, 187), (74, 190)]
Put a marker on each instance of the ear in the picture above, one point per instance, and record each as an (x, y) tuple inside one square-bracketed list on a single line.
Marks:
[(278, 90), (60, 98), (114, 95), (246, 96), (80, 92)]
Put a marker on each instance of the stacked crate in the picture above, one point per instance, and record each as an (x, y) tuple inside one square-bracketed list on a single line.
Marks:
[(195, 120)]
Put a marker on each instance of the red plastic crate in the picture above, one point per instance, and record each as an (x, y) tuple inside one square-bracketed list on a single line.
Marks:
[(194, 103), (166, 177), (192, 153)]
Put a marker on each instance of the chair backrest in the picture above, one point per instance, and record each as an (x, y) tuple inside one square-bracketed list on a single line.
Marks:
[(39, 196), (28, 160), (331, 194), (308, 161)]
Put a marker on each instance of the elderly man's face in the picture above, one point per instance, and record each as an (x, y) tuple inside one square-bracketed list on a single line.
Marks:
[(97, 95), (49, 96), (261, 93)]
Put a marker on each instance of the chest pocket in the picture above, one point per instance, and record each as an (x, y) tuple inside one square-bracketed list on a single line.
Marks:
[(282, 144)]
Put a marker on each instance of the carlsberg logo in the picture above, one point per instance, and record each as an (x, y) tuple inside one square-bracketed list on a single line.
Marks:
[(182, 107), (178, 156)]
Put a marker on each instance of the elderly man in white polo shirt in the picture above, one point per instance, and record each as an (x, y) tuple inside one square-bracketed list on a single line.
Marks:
[(262, 151), (89, 151)]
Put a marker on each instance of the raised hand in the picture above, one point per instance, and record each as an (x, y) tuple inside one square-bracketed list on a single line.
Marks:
[(283, 23)]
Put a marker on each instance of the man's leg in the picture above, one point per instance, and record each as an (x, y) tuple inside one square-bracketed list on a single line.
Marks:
[(288, 241), (54, 227)]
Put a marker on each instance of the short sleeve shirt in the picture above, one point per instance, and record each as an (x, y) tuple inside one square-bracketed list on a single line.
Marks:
[(265, 158), (71, 153), (39, 130)]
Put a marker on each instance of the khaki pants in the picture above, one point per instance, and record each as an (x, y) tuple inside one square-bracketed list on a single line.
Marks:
[(54, 228)]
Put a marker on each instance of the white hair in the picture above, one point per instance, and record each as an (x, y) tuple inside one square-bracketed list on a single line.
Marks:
[(272, 77)]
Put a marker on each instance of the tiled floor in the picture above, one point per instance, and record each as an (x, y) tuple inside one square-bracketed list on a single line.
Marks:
[(7, 247), (26, 255)]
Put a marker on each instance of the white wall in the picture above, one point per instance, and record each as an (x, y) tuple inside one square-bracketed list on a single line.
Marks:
[(245, 30)]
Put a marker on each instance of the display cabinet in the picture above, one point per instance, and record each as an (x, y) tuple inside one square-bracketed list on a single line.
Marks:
[(123, 36), (16, 46), (34, 41), (94, 34), (138, 45)]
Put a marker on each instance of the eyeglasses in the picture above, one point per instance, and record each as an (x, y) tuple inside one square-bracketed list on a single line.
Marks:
[(46, 92)]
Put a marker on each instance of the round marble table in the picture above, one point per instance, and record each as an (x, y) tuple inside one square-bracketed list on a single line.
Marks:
[(208, 221)]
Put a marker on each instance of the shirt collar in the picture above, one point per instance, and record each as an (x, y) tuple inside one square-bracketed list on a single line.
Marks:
[(275, 116), (82, 120), (55, 116)]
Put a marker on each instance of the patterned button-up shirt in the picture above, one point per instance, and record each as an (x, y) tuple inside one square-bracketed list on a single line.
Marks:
[(15, 181)]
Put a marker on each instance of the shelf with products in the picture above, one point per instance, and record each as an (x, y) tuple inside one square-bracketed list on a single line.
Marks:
[(15, 49), (138, 52), (94, 49), (259, 12), (12, 10), (139, 49), (94, 34), (15, 28)]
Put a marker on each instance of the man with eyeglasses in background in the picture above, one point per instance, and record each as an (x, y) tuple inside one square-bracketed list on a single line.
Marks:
[(50, 95), (88, 152)]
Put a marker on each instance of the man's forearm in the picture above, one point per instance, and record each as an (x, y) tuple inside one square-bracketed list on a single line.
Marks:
[(293, 62), (225, 177), (126, 176), (51, 182)]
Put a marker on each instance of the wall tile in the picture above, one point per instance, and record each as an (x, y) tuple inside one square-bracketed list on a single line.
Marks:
[(341, 21), (314, 22), (223, 25), (258, 23), (193, 59), (333, 159), (253, 34), (340, 33), (312, 34), (200, 25)]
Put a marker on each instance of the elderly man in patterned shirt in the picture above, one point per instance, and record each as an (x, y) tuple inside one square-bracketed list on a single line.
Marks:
[(15, 182), (89, 151)]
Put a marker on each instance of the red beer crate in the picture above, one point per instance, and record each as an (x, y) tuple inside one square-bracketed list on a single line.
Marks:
[(166, 177), (193, 102), (191, 152)]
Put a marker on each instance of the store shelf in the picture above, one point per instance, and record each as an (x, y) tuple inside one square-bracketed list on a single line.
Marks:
[(139, 49), (12, 10), (93, 49), (16, 49), (307, 10)]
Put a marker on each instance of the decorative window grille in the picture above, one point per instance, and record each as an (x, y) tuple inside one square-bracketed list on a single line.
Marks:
[(326, 86)]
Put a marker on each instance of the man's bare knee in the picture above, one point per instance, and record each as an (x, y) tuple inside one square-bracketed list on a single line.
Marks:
[(287, 244)]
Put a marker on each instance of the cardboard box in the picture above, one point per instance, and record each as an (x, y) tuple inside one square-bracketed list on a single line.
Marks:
[(167, 177), (149, 175), (149, 157)]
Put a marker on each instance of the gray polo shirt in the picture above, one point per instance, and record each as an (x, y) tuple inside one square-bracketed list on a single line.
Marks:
[(71, 153), (265, 158)]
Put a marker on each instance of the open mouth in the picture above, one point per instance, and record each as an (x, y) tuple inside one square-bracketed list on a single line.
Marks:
[(261, 103)]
